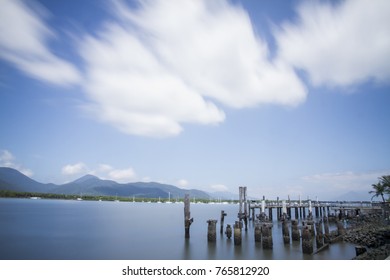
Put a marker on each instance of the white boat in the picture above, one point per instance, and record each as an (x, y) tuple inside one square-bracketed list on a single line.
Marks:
[(35, 197), (169, 198)]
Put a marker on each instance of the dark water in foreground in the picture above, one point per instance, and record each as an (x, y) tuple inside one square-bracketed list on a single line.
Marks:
[(60, 229)]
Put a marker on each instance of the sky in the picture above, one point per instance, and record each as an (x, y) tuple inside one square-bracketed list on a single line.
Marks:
[(288, 98)]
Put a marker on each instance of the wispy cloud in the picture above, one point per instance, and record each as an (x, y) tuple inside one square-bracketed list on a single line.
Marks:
[(24, 37), (219, 188), (345, 181), (74, 169), (103, 171), (122, 175), (163, 64), (171, 62), (7, 159), (339, 44), (183, 183)]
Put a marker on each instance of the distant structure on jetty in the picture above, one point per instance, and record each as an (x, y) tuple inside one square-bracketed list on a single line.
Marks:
[(315, 218)]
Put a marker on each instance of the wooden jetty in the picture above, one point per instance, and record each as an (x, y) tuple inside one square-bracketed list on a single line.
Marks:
[(298, 209), (315, 216)]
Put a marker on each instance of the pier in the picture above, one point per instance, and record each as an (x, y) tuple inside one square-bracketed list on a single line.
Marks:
[(303, 221)]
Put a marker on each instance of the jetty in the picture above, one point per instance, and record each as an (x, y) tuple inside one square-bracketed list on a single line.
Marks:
[(304, 221)]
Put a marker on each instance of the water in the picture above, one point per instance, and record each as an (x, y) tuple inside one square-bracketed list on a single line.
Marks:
[(62, 229)]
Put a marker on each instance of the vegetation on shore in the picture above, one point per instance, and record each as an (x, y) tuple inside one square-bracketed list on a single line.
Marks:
[(14, 194), (381, 188)]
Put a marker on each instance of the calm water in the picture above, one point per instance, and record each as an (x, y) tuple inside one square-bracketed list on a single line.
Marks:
[(60, 229)]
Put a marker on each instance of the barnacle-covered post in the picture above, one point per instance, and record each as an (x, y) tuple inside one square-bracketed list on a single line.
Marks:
[(295, 231), (187, 220), (228, 231), (307, 241), (286, 232), (212, 231), (266, 232), (320, 235), (237, 233)]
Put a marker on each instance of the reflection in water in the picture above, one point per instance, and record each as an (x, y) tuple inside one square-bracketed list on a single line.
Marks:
[(56, 229)]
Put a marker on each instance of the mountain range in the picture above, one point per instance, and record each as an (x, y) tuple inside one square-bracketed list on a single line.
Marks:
[(11, 179)]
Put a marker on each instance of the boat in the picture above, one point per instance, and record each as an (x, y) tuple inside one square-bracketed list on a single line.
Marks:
[(169, 198)]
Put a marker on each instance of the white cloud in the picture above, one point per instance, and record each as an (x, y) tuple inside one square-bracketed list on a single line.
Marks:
[(23, 42), (73, 169), (219, 188), (7, 159), (103, 171), (340, 44), (105, 168), (183, 183), (344, 181), (168, 62), (122, 175)]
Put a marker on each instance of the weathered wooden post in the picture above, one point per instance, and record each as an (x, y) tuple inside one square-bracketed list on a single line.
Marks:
[(320, 235), (270, 213), (257, 232), (340, 228), (310, 215), (286, 232), (327, 233), (237, 233), (295, 231), (296, 212), (310, 224), (228, 231), (223, 214), (212, 230), (262, 216), (243, 214), (307, 241), (284, 210), (266, 231), (187, 220)]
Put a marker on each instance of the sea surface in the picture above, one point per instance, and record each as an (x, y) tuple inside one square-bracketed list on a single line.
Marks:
[(46, 229)]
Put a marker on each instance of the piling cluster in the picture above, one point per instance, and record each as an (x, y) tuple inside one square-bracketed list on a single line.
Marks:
[(313, 234)]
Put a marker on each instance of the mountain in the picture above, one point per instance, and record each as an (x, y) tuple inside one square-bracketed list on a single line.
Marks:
[(11, 179)]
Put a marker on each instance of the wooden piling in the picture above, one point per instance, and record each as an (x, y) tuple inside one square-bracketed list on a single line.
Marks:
[(285, 232), (237, 233), (327, 232), (319, 235), (295, 230), (187, 220), (228, 231), (307, 241), (243, 214), (223, 214), (258, 232), (266, 232), (212, 231), (340, 228)]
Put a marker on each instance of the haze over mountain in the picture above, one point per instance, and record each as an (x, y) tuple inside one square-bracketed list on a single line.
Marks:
[(13, 180)]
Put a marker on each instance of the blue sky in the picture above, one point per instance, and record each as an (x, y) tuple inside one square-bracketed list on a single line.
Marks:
[(284, 97)]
